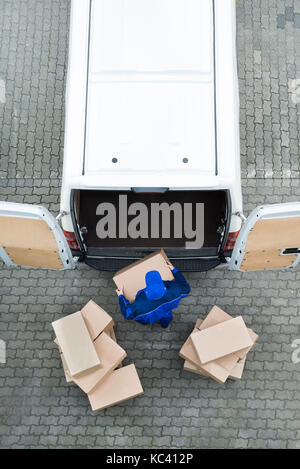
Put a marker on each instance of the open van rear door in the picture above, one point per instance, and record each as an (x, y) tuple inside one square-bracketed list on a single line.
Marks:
[(269, 239), (30, 236)]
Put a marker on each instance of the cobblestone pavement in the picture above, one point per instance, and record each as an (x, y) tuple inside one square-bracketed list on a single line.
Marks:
[(37, 407)]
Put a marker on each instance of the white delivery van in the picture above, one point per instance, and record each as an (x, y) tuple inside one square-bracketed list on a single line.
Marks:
[(151, 136)]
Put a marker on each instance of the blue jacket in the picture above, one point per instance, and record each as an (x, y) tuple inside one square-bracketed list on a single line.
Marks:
[(148, 311)]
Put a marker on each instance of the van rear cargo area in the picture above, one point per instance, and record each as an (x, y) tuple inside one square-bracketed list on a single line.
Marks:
[(134, 223)]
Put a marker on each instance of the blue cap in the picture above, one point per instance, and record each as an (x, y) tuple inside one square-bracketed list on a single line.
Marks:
[(155, 287)]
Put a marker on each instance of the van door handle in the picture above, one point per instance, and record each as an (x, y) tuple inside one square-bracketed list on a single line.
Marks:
[(291, 251)]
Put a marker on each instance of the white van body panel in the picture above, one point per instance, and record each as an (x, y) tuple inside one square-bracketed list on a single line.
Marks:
[(34, 212), (150, 83)]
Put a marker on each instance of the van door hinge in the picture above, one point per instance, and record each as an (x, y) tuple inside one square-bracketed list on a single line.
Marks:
[(61, 214), (240, 215)]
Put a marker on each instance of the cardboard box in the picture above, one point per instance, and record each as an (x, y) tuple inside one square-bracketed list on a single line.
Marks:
[(111, 333), (188, 366), (65, 368), (235, 374), (187, 351), (57, 343), (111, 355), (97, 320), (132, 278), (198, 323), (220, 340), (237, 371), (76, 343), (121, 385), (216, 316), (63, 361), (219, 369)]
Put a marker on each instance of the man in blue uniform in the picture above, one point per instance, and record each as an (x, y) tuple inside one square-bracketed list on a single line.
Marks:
[(156, 301)]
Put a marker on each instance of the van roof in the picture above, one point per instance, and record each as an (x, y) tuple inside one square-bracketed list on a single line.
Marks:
[(150, 88)]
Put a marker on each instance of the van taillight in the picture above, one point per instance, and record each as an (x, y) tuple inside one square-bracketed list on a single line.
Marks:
[(71, 240), (231, 239)]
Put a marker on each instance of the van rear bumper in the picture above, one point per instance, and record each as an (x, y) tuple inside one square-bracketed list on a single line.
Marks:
[(183, 264)]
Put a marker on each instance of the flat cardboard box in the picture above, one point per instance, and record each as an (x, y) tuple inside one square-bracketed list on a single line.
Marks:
[(111, 355), (65, 368), (235, 374), (121, 385), (198, 323), (221, 340), (216, 316), (132, 278), (57, 343), (63, 361), (237, 371), (187, 351), (219, 369), (188, 366), (97, 320), (111, 333), (76, 343)]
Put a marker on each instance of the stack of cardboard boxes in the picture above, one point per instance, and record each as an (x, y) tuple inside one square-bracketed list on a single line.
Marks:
[(218, 346), (92, 359)]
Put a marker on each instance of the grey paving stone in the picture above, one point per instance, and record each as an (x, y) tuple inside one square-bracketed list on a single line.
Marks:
[(297, 20), (289, 13), (281, 21)]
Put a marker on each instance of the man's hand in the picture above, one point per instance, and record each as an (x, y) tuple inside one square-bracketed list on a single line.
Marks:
[(171, 267), (119, 291)]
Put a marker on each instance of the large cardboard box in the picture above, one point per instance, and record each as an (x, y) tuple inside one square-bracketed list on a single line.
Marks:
[(216, 316), (64, 364), (221, 340), (187, 351), (76, 343), (111, 355), (132, 278), (97, 320), (188, 366), (230, 366), (235, 374), (219, 369), (121, 385)]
